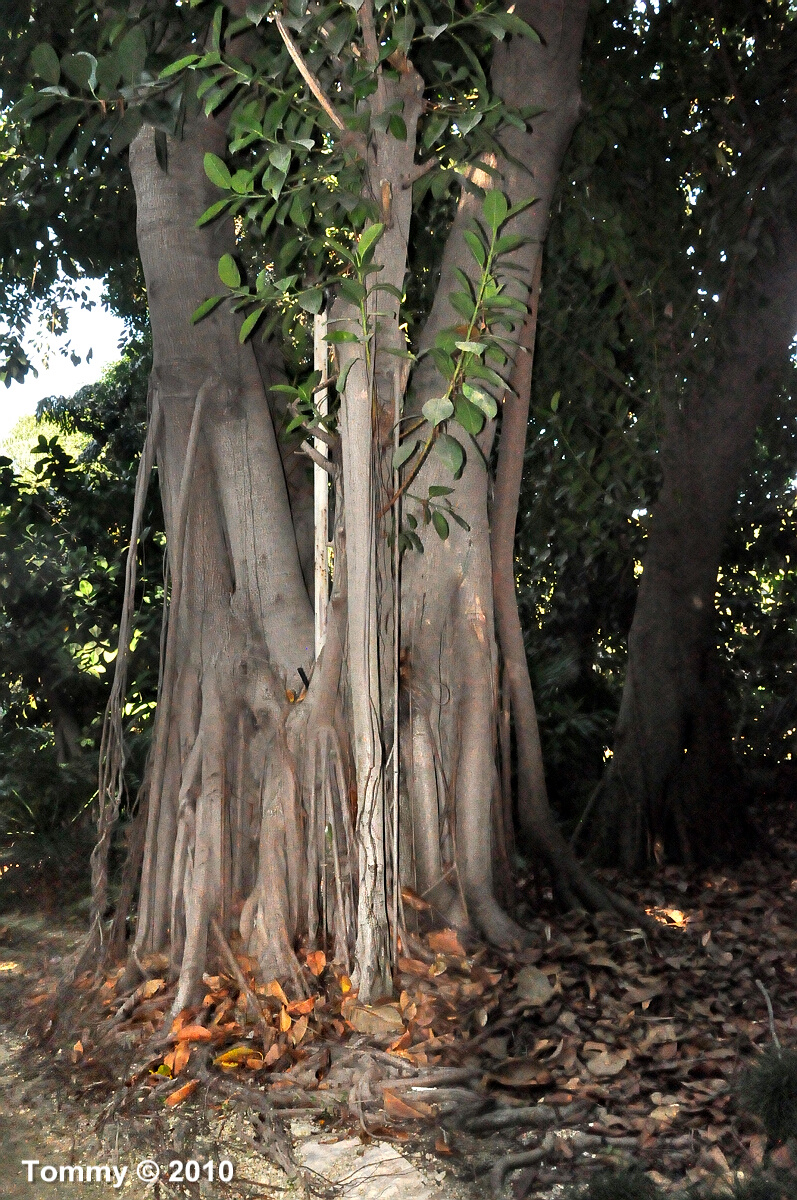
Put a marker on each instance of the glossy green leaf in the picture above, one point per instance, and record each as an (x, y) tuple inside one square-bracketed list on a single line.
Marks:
[(217, 171), (450, 453), (229, 274), (205, 307), (438, 409), (45, 64), (495, 208), (481, 399), (404, 452), (440, 524)]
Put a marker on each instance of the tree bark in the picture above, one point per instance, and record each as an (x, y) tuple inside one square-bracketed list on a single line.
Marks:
[(667, 788)]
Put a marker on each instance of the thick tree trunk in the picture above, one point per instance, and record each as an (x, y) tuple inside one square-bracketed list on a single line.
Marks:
[(222, 832), (667, 788)]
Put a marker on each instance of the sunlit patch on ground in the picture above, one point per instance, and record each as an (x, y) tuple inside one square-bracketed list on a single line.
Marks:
[(669, 916), (10, 966)]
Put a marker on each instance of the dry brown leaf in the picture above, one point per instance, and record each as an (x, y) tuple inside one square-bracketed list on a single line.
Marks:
[(520, 1073), (376, 1019), (182, 1093), (274, 989), (413, 966), (400, 1110), (77, 1050), (607, 1063), (274, 1052), (298, 1007), (413, 900), (442, 1145), (445, 941), (285, 1020), (298, 1031), (316, 961), (194, 1033), (533, 987), (150, 988)]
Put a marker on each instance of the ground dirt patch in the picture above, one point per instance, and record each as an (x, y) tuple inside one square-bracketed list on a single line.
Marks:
[(514, 1074)]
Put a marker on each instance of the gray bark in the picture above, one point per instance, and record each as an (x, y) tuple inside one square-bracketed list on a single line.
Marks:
[(649, 803)]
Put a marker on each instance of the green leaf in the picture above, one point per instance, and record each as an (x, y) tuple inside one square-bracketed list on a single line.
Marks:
[(482, 400), (434, 31), (404, 452), (205, 307), (437, 489), (45, 64), (440, 524), (211, 213), (249, 324), (81, 68), (438, 409), (450, 453), (403, 31), (228, 271), (398, 127), (280, 157), (132, 54), (514, 24), (176, 67), (471, 347), (342, 335), (368, 238), (256, 10), (352, 291), (312, 300), (555, 401), (476, 248), (510, 241), (495, 209), (217, 171), (469, 416)]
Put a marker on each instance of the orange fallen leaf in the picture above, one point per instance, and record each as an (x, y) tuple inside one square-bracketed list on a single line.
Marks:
[(445, 941), (285, 1020), (194, 1033), (77, 1050), (182, 1018), (299, 1007), (182, 1093), (180, 1056), (150, 988), (442, 1145), (413, 900), (316, 961), (345, 984), (274, 989), (400, 1110)]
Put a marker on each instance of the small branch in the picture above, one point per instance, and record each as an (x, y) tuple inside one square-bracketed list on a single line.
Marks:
[(366, 15), (331, 468), (324, 384), (307, 75), (771, 1016), (419, 170)]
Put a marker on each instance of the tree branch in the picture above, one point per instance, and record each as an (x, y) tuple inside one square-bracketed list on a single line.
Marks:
[(307, 75)]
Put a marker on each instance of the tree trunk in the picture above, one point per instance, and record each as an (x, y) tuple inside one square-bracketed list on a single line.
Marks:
[(667, 787), (249, 822)]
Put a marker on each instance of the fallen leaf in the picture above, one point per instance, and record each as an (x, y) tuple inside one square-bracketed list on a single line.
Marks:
[(413, 900), (77, 1050), (316, 961), (150, 988), (400, 1110), (665, 1112), (274, 989), (233, 1057), (521, 1072), (376, 1019), (442, 1145), (194, 1033), (533, 987), (298, 1007), (608, 1062), (274, 1052), (446, 941), (285, 1020), (182, 1093), (299, 1030)]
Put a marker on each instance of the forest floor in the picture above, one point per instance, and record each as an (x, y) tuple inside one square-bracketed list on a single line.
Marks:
[(493, 1074)]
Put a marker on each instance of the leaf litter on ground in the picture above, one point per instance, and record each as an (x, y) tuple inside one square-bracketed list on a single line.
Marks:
[(596, 1045)]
